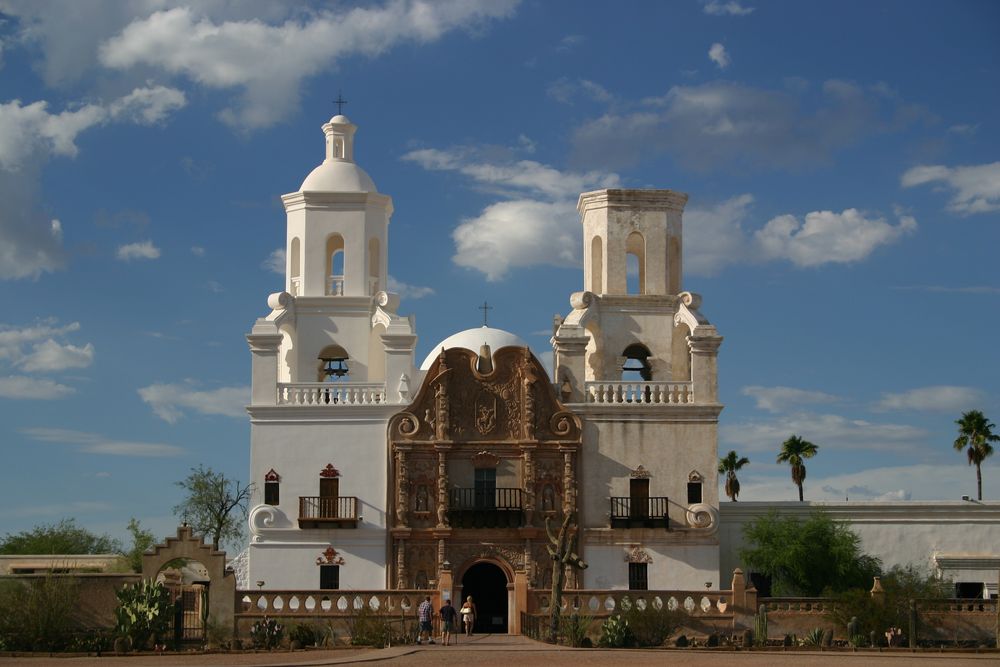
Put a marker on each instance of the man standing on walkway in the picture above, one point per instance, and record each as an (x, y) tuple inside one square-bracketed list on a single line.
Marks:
[(448, 619), (424, 614)]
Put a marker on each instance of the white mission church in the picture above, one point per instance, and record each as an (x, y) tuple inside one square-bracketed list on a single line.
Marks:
[(374, 471)]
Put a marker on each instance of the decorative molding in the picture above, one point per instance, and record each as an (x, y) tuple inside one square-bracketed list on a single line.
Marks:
[(272, 476), (329, 471), (485, 459), (695, 476), (638, 555), (640, 473), (330, 557)]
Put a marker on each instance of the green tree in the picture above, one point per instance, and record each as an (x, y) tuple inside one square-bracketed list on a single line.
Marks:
[(975, 433), (60, 538), (142, 539), (211, 505), (807, 557), (730, 464), (794, 451)]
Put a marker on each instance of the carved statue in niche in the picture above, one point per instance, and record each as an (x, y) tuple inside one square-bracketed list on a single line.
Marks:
[(422, 501), (548, 498), (442, 503), (420, 581)]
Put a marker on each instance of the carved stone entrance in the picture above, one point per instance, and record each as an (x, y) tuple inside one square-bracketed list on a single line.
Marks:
[(487, 583)]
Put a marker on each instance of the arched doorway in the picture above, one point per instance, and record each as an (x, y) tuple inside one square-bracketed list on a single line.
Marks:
[(188, 582), (487, 584)]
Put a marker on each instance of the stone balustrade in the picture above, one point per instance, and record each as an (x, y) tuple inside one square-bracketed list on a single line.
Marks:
[(608, 602), (328, 603), (331, 393), (640, 393), (797, 605)]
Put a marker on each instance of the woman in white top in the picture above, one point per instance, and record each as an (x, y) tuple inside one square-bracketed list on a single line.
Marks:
[(468, 612)]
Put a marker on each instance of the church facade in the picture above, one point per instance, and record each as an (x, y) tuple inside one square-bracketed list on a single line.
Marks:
[(374, 472)]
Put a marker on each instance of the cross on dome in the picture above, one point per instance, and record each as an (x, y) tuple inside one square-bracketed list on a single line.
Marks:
[(486, 307), (340, 102)]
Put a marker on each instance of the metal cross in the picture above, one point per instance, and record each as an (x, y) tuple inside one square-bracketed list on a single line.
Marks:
[(485, 308), (340, 102)]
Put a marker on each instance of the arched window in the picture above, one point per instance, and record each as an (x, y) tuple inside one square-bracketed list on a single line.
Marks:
[(338, 148), (332, 366), (596, 266), (335, 265), (272, 482), (635, 263), (373, 266), (295, 266), (636, 367)]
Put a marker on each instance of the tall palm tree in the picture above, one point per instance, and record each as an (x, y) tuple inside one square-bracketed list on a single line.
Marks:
[(793, 451), (975, 431), (729, 464)]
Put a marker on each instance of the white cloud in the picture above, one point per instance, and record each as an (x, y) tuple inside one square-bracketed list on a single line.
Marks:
[(93, 443), (832, 431), (197, 251), (977, 187), (730, 8), (570, 42), (826, 236), (717, 54), (141, 250), (731, 125), (564, 90), (714, 237), (780, 399), (964, 129), (13, 339), (147, 106), (939, 398), (268, 63), (406, 291), (50, 356), (170, 402), (275, 262), (29, 388)]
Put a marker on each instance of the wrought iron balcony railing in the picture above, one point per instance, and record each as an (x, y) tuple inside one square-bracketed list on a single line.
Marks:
[(640, 511), (485, 508)]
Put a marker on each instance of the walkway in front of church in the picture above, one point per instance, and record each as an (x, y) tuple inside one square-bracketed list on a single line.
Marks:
[(504, 651)]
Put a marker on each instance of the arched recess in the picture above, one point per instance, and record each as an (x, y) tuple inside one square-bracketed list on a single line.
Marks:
[(636, 366), (335, 260), (597, 265), (295, 266), (333, 365), (287, 355), (374, 266), (490, 582), (680, 354), (635, 246)]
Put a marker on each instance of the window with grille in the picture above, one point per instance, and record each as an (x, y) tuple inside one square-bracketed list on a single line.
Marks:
[(637, 579), (271, 493), (329, 577)]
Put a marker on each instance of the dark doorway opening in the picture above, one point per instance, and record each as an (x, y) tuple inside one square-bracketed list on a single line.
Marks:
[(487, 584)]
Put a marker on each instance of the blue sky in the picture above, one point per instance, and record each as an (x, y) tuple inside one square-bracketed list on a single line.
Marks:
[(841, 159)]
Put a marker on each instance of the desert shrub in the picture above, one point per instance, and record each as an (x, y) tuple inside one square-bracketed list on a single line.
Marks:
[(368, 628), (574, 628), (144, 612), (217, 634), (39, 614), (813, 638), (615, 633), (266, 633), (651, 626), (304, 633)]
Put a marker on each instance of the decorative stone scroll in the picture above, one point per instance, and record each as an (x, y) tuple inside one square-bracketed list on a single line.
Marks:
[(485, 459), (638, 555), (329, 471), (639, 473), (330, 557)]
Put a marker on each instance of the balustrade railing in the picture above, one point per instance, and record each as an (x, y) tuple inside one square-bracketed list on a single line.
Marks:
[(485, 499), (328, 508), (330, 393), (640, 393), (328, 603), (649, 511), (335, 285), (609, 602)]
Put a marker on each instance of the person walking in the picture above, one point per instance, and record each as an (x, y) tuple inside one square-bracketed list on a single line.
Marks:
[(449, 616), (425, 612), (469, 615)]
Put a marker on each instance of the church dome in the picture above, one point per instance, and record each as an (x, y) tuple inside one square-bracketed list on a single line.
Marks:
[(337, 176), (473, 339)]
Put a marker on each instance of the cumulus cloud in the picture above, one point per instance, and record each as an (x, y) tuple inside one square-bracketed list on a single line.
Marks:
[(780, 399), (141, 250), (938, 398), (407, 291), (94, 443), (50, 356), (275, 262), (170, 402), (714, 236), (976, 187), (717, 54), (727, 124), (35, 348), (267, 63), (730, 8), (535, 224), (827, 236), (826, 430), (30, 241)]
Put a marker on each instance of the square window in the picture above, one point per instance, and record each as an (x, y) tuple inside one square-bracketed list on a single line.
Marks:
[(329, 577)]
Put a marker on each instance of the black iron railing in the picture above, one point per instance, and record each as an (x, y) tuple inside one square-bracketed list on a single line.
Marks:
[(485, 508), (651, 512)]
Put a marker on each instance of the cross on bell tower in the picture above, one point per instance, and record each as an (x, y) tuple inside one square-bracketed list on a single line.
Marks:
[(340, 102), (486, 307)]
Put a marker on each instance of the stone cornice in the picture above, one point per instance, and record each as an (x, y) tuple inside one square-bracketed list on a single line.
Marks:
[(621, 412), (303, 414), (341, 305), (327, 201), (647, 537), (662, 200)]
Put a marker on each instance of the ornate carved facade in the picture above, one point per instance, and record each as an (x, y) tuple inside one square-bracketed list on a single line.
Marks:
[(483, 455)]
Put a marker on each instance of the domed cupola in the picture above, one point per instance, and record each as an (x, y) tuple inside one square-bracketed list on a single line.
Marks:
[(338, 171)]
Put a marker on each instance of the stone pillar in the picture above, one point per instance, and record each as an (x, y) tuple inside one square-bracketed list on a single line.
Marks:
[(265, 343), (569, 483), (704, 371), (401, 564), (520, 601), (442, 489), (528, 482), (569, 366), (402, 485)]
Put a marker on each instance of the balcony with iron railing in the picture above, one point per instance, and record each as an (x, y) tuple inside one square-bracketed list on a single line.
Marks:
[(485, 508), (328, 512), (640, 512)]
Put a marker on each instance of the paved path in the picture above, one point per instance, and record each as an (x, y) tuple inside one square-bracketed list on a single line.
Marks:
[(504, 651)]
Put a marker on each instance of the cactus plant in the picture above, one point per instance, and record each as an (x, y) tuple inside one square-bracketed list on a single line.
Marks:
[(747, 638), (760, 625), (828, 638)]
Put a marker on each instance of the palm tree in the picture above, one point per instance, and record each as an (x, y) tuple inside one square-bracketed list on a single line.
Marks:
[(975, 431), (793, 451), (729, 464)]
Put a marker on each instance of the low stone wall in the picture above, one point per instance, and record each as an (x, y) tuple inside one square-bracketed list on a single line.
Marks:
[(97, 600)]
